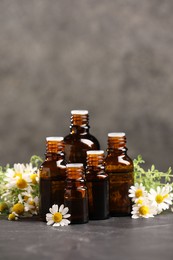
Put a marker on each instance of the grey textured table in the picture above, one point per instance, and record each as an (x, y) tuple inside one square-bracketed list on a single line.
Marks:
[(115, 238)]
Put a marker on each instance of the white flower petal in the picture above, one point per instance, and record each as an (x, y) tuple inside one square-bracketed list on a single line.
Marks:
[(48, 215), (51, 211), (56, 225), (54, 208), (133, 188), (65, 210), (135, 216), (131, 195), (20, 198), (65, 222), (67, 216), (50, 222), (61, 208), (158, 189), (36, 199)]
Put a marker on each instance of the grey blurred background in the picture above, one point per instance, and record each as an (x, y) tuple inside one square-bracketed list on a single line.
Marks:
[(112, 57)]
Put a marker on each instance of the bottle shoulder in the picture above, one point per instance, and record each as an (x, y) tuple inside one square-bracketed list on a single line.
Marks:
[(72, 136), (118, 158), (51, 169), (118, 163), (85, 139)]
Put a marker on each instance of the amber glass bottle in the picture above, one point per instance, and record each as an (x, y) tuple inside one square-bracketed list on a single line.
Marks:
[(76, 196), (79, 140), (119, 167), (98, 185), (52, 176)]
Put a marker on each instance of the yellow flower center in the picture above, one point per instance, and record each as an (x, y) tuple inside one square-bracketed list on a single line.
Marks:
[(3, 206), (159, 198), (32, 203), (21, 183), (18, 208), (144, 210), (138, 193), (33, 178), (11, 216), (57, 217), (19, 174), (139, 201), (25, 198)]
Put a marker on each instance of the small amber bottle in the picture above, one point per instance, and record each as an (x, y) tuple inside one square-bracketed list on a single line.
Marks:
[(79, 140), (76, 196), (98, 185), (52, 176), (119, 167)]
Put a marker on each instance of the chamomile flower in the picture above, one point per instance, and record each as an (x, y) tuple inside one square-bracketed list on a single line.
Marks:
[(58, 217), (30, 169), (26, 194), (137, 191), (13, 216), (34, 178), (3, 206), (31, 205), (19, 189), (143, 210), (18, 208), (161, 198), (16, 179)]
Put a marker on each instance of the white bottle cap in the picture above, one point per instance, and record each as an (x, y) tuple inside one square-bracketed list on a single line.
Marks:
[(54, 138), (116, 134), (74, 165), (95, 152), (79, 112)]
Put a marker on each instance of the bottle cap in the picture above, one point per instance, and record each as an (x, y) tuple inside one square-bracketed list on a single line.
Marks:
[(116, 134), (95, 152), (79, 112), (54, 138), (74, 165)]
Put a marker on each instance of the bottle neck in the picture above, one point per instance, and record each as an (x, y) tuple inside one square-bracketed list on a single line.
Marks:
[(95, 159), (75, 173), (95, 162), (117, 144), (54, 156), (54, 149), (79, 124)]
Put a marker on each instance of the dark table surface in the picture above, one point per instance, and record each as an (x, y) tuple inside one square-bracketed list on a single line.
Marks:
[(114, 238)]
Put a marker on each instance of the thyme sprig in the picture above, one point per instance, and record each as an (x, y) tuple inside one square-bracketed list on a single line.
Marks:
[(152, 178)]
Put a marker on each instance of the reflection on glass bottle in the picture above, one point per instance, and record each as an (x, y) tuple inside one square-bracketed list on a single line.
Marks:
[(79, 141), (119, 167), (98, 185), (76, 196), (52, 176)]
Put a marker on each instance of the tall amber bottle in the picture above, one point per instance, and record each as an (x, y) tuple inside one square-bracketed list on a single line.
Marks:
[(79, 140), (52, 176), (119, 167), (98, 185), (76, 196)]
